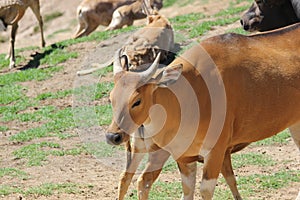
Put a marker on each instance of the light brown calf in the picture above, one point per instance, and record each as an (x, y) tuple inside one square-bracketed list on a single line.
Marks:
[(11, 11), (125, 15), (260, 77), (92, 13)]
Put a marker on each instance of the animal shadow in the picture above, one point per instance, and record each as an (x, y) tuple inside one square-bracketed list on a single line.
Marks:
[(37, 57)]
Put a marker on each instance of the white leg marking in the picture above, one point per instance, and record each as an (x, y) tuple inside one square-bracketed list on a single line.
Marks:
[(189, 183), (207, 188), (298, 197)]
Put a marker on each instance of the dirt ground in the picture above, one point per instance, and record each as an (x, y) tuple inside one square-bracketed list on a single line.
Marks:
[(86, 169)]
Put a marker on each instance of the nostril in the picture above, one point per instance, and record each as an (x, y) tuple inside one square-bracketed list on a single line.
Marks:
[(242, 22), (246, 27), (117, 139)]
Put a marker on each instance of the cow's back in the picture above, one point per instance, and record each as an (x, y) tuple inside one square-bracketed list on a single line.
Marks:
[(261, 75)]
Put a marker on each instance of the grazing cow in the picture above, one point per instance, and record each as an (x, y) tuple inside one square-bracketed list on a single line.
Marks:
[(11, 12), (264, 15), (260, 77), (125, 15), (92, 13)]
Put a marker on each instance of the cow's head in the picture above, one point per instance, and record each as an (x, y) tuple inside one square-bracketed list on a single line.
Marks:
[(132, 97), (264, 15)]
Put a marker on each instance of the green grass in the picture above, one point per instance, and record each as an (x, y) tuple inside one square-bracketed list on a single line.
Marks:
[(242, 160), (28, 75), (187, 18), (104, 71), (103, 90), (5, 62), (104, 114), (58, 122), (36, 154), (10, 93), (102, 149), (238, 30), (281, 138), (14, 173), (231, 11), (204, 27), (268, 182), (3, 128), (168, 3), (45, 189), (57, 56), (170, 166), (52, 16), (42, 113), (255, 184), (162, 191), (8, 112), (54, 95)]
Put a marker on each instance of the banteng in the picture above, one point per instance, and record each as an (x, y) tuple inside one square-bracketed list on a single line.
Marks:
[(247, 88)]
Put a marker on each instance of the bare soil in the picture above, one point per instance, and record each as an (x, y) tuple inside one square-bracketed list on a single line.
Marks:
[(85, 169)]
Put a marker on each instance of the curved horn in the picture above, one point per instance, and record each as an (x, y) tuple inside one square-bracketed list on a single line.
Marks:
[(117, 62), (147, 75)]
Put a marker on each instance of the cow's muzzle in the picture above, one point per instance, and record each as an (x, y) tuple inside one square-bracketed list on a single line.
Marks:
[(117, 138), (114, 138)]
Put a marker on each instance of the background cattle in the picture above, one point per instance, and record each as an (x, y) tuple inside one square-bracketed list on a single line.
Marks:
[(11, 11), (125, 15), (143, 45), (271, 14), (92, 13)]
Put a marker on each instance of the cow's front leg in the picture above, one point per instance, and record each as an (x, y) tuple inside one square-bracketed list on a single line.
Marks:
[(188, 173), (135, 154), (154, 166), (212, 166)]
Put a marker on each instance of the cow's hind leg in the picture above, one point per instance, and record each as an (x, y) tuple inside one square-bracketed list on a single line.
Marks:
[(295, 132), (228, 174), (35, 7)]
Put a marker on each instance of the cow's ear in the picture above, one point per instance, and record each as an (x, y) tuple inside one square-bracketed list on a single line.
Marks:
[(168, 76)]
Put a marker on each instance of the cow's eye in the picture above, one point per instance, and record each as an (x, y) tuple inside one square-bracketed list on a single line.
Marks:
[(137, 103)]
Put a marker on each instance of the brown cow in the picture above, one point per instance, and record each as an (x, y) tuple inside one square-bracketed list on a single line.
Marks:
[(11, 11), (246, 87), (125, 15), (264, 15)]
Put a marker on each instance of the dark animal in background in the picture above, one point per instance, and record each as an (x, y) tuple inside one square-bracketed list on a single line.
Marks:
[(265, 15)]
